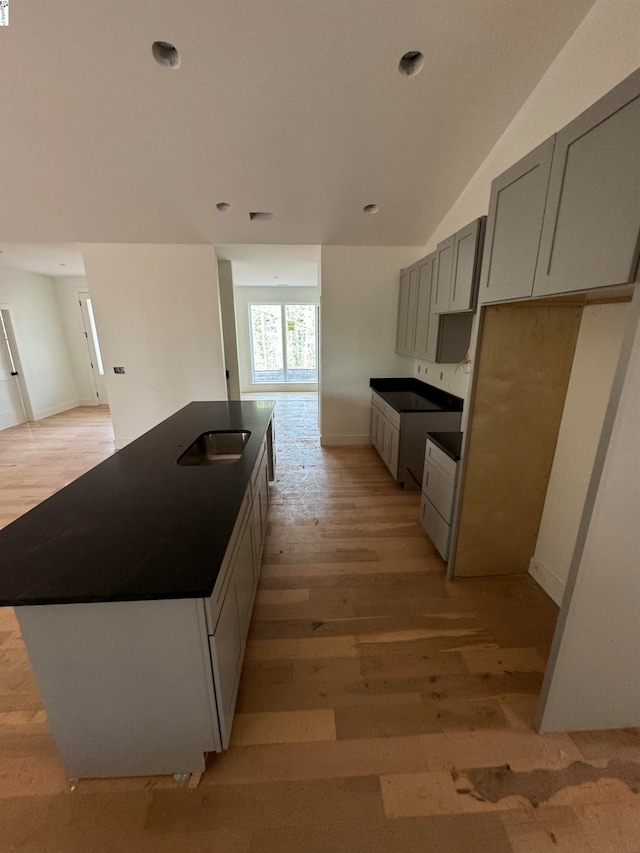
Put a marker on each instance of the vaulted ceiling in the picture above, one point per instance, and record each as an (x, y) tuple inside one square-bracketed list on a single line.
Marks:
[(295, 107)]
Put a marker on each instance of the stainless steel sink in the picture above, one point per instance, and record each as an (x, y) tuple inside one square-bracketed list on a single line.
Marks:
[(216, 448)]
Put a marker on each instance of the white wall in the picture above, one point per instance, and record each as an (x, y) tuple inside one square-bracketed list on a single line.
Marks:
[(157, 308), (593, 677), (594, 364), (42, 347), (602, 52), (359, 307), (66, 290), (244, 296)]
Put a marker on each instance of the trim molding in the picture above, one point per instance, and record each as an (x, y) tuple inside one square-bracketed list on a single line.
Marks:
[(549, 581), (330, 440), (41, 414)]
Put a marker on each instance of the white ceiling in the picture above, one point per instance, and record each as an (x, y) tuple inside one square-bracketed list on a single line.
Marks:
[(272, 266), (44, 258), (286, 106)]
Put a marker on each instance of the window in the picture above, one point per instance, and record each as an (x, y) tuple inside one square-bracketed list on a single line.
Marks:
[(283, 343)]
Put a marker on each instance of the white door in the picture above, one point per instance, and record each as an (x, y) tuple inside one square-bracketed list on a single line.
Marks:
[(93, 347), (12, 410)]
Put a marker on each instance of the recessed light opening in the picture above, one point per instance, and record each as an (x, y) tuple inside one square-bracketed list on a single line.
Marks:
[(223, 206), (260, 214), (411, 63), (371, 208), (165, 53)]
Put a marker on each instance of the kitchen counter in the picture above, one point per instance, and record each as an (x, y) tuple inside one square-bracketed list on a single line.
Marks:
[(449, 442), (407, 394), (138, 526)]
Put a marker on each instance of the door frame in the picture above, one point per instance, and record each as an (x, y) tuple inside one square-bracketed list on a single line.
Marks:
[(9, 324), (98, 384)]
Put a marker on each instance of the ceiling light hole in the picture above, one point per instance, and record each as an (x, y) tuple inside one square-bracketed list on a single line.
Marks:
[(371, 209), (223, 206), (260, 214), (165, 53), (411, 63)]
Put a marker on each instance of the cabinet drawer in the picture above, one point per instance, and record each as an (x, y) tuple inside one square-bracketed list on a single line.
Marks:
[(435, 526), (439, 490), (439, 460)]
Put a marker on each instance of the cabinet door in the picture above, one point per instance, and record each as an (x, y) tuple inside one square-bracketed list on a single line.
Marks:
[(245, 579), (423, 311), (394, 452), (467, 257), (443, 275), (412, 307), (226, 657), (433, 333), (592, 220), (514, 226), (403, 312), (373, 426)]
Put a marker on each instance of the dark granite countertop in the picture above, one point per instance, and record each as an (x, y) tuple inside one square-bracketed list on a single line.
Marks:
[(406, 394), (137, 526), (449, 442)]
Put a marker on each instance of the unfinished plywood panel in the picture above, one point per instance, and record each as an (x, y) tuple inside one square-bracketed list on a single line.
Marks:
[(525, 354)]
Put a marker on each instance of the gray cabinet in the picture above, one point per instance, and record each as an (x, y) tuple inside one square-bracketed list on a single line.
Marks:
[(444, 254), (399, 437), (385, 434), (567, 216), (514, 226), (467, 257), (407, 305), (439, 482), (459, 260), (592, 221), (440, 338), (426, 321)]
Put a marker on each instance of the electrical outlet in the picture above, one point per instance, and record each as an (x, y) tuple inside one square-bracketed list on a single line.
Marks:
[(118, 369)]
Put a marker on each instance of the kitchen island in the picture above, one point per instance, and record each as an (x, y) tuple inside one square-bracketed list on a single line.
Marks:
[(133, 588)]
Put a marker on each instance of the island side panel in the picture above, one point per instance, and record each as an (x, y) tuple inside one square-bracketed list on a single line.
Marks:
[(127, 686)]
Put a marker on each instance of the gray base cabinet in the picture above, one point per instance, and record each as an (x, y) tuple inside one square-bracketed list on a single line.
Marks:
[(439, 482), (399, 437), (136, 688)]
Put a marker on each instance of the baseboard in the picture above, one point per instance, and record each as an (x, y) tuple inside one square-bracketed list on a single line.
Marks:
[(41, 414), (331, 440), (549, 582)]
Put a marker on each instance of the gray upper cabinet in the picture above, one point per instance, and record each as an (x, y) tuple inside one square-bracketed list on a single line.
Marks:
[(412, 308), (425, 328), (467, 258), (514, 225), (444, 254), (403, 307), (407, 304), (592, 220), (459, 258)]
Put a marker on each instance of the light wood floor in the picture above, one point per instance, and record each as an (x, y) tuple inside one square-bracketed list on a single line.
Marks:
[(381, 708)]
